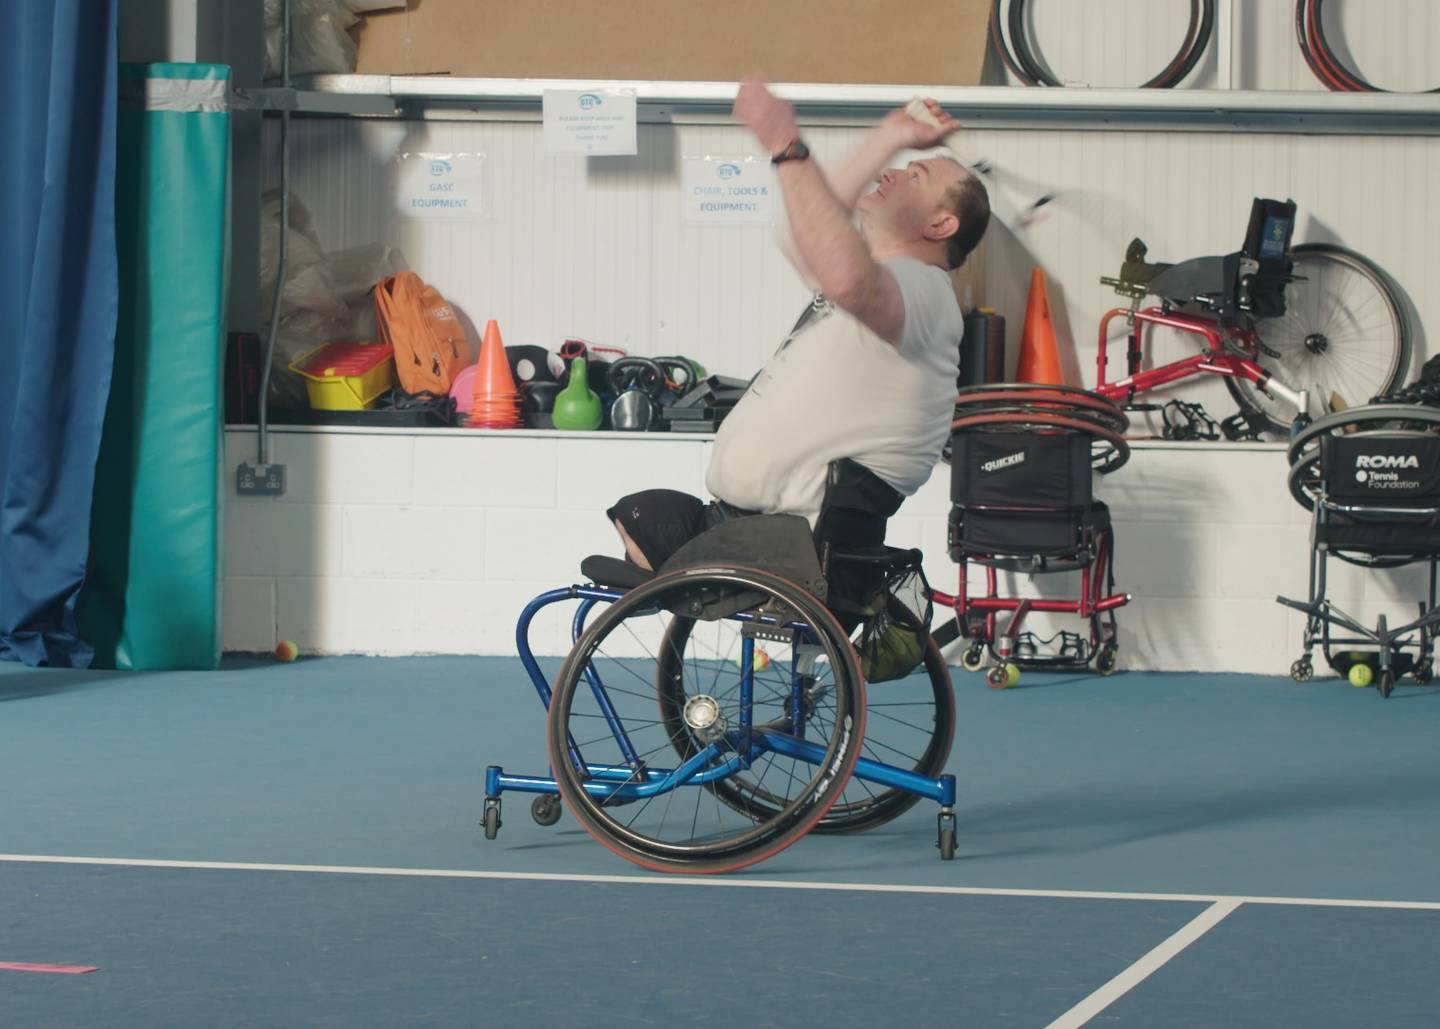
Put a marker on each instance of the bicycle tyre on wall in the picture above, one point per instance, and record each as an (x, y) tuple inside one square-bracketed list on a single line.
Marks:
[(1020, 57)]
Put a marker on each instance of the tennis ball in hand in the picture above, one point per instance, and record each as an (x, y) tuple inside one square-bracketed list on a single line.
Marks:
[(286, 650), (1361, 675), (918, 111)]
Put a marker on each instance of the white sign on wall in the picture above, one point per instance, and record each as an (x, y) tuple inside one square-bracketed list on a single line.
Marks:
[(441, 186), (589, 121), (727, 190)]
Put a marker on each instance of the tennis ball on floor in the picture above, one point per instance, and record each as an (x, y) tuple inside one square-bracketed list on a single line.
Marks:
[(1360, 675), (759, 662), (286, 650)]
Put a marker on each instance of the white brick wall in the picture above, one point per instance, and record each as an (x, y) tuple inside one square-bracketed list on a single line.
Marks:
[(399, 543)]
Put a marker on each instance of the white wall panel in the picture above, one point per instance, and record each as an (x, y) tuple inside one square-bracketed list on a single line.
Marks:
[(603, 252)]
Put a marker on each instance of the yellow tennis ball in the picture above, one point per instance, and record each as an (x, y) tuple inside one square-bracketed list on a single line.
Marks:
[(759, 661), (1012, 675), (1360, 675), (286, 650)]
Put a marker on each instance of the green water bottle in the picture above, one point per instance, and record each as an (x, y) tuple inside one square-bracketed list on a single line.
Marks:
[(576, 406)]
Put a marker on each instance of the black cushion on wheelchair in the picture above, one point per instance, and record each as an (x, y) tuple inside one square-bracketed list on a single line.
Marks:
[(1028, 540), (1391, 537), (779, 544), (613, 572)]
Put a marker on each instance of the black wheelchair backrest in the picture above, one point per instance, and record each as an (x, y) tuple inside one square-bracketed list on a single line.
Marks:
[(1267, 238), (1383, 469), (1020, 470)]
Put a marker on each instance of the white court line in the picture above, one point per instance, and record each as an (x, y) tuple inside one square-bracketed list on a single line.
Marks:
[(732, 881), (1136, 973)]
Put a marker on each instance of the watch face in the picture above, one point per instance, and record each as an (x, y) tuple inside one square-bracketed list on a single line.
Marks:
[(796, 151)]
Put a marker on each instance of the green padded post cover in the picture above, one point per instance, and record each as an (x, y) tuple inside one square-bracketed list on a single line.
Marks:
[(152, 595)]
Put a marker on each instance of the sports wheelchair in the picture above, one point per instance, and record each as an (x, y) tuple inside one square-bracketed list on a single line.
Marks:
[(1371, 477), (1294, 331), (1021, 463), (717, 710)]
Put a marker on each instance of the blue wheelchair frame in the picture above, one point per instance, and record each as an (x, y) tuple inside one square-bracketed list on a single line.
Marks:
[(743, 743)]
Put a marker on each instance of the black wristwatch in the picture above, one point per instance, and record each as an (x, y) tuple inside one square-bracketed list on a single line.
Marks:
[(795, 150)]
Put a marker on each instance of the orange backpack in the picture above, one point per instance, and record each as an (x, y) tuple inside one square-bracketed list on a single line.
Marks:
[(429, 341)]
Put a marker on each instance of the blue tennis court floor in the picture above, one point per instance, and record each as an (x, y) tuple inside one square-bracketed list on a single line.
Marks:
[(297, 845)]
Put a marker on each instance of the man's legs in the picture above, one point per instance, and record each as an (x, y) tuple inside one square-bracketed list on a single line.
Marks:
[(655, 523)]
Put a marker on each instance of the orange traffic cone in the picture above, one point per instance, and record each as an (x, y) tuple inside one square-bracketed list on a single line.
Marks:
[(1039, 356), (495, 403)]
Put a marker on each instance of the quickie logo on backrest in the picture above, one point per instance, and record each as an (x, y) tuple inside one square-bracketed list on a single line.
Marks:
[(995, 464)]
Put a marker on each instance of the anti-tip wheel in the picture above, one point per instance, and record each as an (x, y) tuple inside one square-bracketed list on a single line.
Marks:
[(492, 817), (545, 809)]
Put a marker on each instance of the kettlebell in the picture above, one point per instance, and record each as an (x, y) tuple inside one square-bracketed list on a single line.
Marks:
[(577, 408), (637, 383)]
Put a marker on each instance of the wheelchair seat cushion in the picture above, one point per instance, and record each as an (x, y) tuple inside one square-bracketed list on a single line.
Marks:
[(1379, 537), (613, 572), (1060, 539)]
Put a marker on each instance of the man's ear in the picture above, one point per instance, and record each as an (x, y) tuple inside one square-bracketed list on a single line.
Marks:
[(943, 226)]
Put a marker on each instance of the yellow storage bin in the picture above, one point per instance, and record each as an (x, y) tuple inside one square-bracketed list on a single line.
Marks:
[(346, 376)]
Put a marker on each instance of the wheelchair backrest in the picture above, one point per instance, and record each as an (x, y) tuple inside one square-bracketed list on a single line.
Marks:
[(1382, 469), (1265, 258), (1029, 471)]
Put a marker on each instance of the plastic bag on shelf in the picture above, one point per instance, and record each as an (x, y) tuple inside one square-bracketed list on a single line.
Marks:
[(326, 296), (320, 40)]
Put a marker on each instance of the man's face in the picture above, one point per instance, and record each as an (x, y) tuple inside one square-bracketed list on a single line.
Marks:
[(906, 201)]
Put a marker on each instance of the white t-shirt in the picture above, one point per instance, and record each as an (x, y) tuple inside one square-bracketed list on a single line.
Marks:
[(836, 389)]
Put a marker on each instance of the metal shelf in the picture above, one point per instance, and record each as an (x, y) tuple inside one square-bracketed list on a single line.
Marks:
[(1000, 107)]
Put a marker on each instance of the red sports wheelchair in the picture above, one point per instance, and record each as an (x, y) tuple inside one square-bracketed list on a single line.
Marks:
[(1294, 332), (1022, 458)]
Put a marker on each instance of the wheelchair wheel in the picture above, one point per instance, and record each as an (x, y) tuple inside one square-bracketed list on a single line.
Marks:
[(1343, 336), (909, 723), (784, 731)]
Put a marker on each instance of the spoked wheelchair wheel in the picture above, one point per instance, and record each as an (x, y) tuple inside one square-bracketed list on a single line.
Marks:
[(761, 748), (909, 724), (1343, 336)]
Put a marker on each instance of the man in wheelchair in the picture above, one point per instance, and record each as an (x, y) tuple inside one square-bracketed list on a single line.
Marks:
[(868, 373)]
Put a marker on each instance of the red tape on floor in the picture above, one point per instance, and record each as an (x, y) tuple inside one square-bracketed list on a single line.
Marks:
[(26, 966)]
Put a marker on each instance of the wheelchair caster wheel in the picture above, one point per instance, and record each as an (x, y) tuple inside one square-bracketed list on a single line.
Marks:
[(1002, 677), (1302, 670), (946, 837), (545, 809), (492, 817), (973, 658), (1105, 660), (1423, 673), (1386, 682)]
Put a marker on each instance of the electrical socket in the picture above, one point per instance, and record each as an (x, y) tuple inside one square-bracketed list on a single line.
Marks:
[(260, 480)]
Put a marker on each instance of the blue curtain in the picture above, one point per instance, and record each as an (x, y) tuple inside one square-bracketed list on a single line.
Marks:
[(58, 302)]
